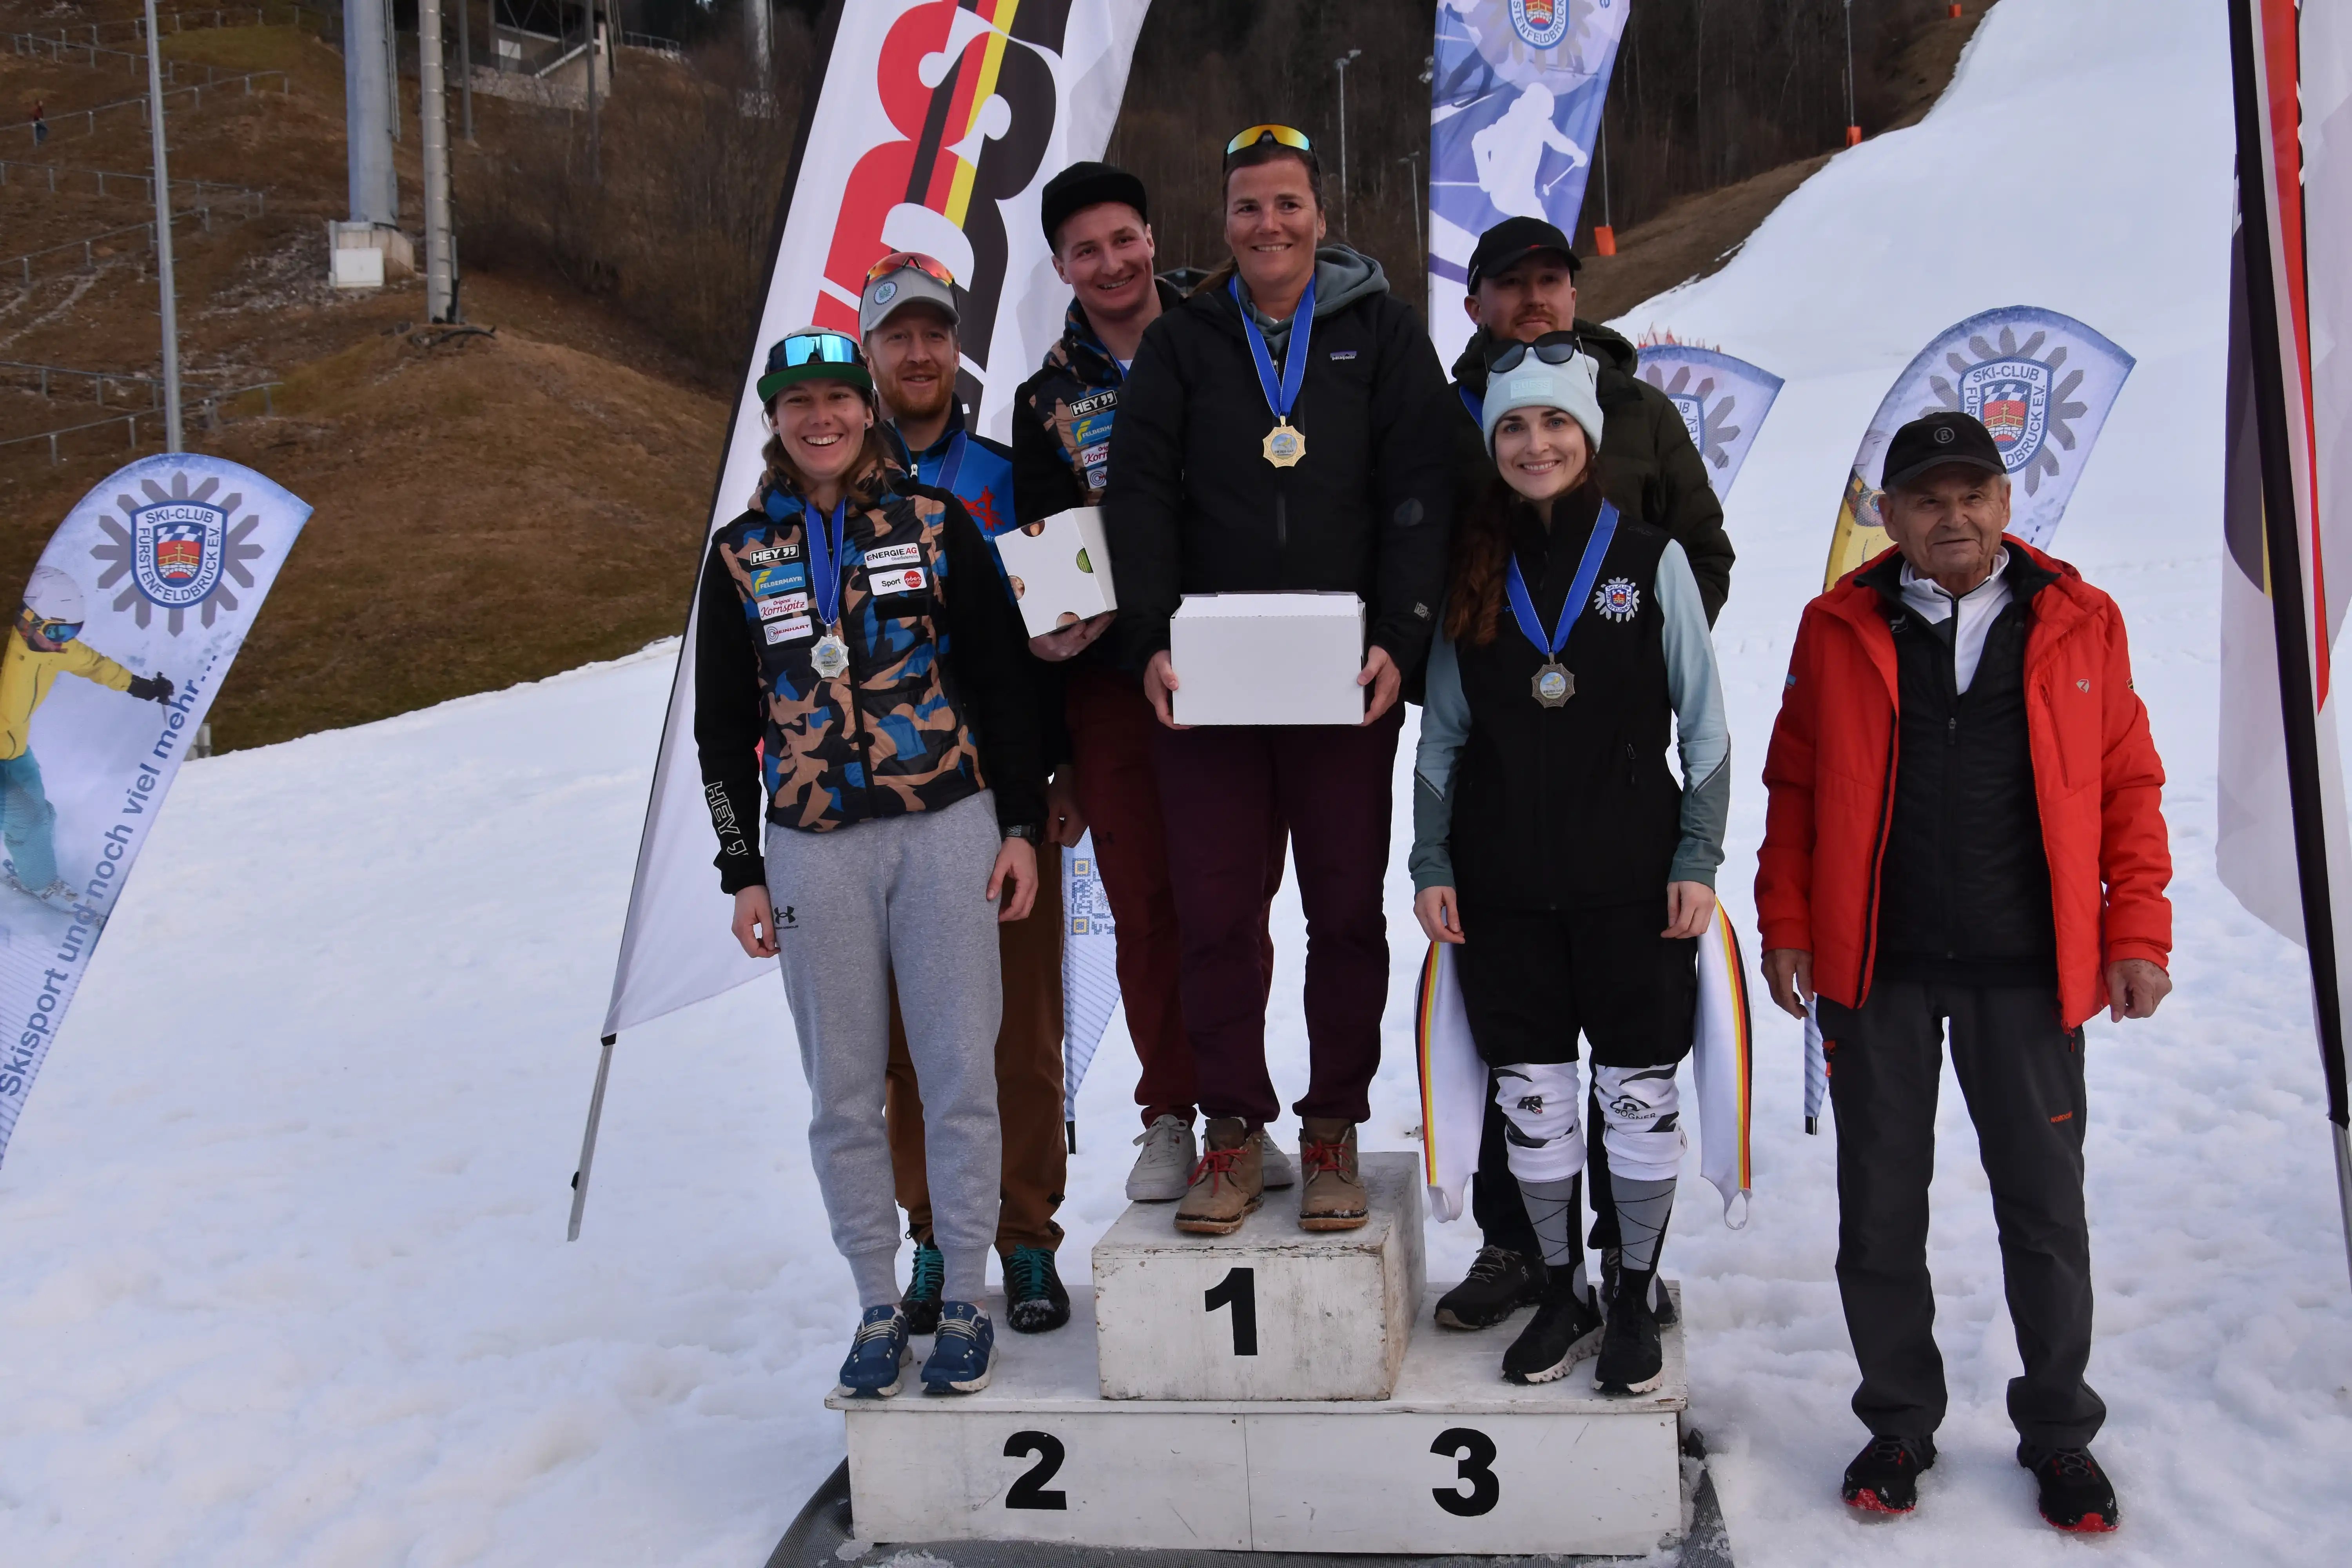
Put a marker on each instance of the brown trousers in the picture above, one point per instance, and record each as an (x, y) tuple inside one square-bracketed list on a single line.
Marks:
[(1028, 1083)]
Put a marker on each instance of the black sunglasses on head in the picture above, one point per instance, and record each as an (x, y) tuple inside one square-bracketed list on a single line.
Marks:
[(1552, 348)]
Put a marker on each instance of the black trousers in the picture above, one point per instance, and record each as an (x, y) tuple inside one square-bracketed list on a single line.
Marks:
[(2022, 1073), (1531, 982)]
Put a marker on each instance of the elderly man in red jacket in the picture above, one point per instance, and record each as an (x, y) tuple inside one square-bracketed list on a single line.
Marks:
[(1964, 826)]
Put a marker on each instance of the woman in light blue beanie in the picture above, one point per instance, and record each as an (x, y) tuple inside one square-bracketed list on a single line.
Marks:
[(1552, 842)]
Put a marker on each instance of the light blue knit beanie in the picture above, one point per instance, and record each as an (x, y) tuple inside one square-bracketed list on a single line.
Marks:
[(1532, 383)]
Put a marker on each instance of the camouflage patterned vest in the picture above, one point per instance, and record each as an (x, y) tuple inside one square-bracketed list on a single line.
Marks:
[(886, 737)]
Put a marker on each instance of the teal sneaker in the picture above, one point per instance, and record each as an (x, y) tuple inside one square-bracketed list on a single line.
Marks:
[(921, 1302), (1035, 1299)]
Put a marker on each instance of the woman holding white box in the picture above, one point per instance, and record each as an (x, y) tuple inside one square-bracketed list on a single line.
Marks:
[(1550, 837), (1281, 433)]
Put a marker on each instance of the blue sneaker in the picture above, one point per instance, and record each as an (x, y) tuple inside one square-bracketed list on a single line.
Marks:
[(877, 1367), (962, 1351), (924, 1285)]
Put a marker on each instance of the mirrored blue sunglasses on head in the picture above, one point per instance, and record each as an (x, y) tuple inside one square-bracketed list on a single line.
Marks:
[(826, 347)]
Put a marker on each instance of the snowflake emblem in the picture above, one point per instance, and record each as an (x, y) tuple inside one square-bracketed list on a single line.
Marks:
[(1704, 414), (180, 549), (2021, 398), (1618, 599)]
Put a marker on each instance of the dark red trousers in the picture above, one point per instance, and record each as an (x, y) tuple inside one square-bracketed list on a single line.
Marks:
[(1111, 729), (1228, 794)]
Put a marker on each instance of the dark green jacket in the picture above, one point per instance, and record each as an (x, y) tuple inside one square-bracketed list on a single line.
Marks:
[(1648, 465)]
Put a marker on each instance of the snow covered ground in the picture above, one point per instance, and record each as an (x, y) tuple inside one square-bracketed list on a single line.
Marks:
[(284, 1279)]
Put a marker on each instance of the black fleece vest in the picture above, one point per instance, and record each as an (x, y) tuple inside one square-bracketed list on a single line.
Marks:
[(1571, 808), (1964, 889)]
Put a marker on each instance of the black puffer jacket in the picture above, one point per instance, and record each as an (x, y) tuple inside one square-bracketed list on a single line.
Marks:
[(1648, 465), (1192, 506)]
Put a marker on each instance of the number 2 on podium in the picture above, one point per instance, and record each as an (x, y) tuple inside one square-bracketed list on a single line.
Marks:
[(1237, 1290)]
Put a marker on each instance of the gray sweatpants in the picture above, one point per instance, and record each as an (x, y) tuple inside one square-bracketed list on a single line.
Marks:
[(902, 894)]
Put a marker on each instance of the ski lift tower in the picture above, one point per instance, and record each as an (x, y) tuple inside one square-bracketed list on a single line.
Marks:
[(369, 248)]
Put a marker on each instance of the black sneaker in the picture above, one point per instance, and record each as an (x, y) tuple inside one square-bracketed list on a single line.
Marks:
[(1661, 1304), (1499, 1283), (2076, 1496), (1884, 1477), (1565, 1330), (924, 1286), (1034, 1300), (1631, 1359)]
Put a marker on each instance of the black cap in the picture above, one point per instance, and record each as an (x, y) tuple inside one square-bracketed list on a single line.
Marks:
[(1082, 185), (1935, 440), (1512, 241)]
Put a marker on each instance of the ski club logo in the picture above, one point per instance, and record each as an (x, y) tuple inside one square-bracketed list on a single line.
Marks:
[(2024, 397), (1541, 23), (1618, 599), (1705, 415), (180, 548)]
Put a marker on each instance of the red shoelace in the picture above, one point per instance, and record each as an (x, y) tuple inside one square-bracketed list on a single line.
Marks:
[(1217, 1163)]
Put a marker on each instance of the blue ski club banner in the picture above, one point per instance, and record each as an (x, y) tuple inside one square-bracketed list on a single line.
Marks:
[(1089, 972), (1515, 91), (1723, 401), (119, 639), (2042, 383)]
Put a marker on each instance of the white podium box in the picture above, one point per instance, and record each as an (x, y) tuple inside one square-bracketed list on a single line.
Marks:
[(1060, 568), (1271, 1311), (1268, 658), (1456, 1461)]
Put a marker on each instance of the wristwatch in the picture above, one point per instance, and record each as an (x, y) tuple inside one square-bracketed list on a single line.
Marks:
[(1027, 830)]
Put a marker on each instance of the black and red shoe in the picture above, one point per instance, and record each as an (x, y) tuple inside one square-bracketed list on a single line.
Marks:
[(2076, 1496), (1884, 1477)]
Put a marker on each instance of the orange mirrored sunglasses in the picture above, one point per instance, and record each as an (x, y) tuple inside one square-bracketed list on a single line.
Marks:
[(1284, 134), (899, 261)]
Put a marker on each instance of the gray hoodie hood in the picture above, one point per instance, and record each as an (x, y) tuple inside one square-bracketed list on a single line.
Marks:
[(1343, 275)]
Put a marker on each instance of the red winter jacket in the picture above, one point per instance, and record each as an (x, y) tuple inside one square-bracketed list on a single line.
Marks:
[(2096, 778)]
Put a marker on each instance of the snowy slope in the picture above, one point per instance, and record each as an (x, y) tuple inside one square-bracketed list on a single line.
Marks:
[(284, 1276)]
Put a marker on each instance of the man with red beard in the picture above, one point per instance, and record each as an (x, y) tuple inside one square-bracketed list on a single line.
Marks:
[(1096, 219), (907, 315)]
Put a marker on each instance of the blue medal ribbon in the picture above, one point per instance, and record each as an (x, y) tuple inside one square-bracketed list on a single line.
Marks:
[(952, 464), (1283, 395), (1523, 608), (826, 541)]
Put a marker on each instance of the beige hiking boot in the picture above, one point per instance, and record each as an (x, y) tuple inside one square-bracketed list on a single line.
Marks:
[(1332, 1197), (1227, 1184)]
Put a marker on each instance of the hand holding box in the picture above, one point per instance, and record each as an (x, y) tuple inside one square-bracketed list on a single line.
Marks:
[(1268, 658), (1060, 570)]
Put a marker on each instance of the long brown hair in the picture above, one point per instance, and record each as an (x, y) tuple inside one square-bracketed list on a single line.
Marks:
[(1481, 553)]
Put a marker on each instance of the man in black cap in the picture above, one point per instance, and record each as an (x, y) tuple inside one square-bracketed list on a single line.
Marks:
[(1522, 288), (1965, 832)]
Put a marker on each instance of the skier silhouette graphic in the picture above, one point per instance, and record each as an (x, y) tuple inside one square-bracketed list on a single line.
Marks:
[(1510, 152), (44, 643)]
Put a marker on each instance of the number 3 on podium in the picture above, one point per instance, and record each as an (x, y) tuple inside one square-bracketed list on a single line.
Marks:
[(1474, 1464)]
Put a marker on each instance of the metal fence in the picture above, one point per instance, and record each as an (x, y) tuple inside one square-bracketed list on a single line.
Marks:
[(87, 249), (48, 176), (208, 409), (196, 90)]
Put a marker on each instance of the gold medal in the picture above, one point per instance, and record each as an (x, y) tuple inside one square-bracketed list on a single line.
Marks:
[(1285, 445), (1554, 683)]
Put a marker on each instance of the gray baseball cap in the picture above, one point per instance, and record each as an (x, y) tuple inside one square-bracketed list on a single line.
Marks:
[(901, 278)]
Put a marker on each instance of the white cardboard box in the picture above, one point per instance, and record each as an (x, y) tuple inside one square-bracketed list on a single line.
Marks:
[(1268, 658), (1060, 568)]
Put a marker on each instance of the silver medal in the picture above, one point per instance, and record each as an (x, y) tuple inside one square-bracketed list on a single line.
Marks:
[(831, 655)]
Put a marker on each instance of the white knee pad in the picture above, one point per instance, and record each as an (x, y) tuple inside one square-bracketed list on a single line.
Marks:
[(1539, 1102), (1641, 1121)]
